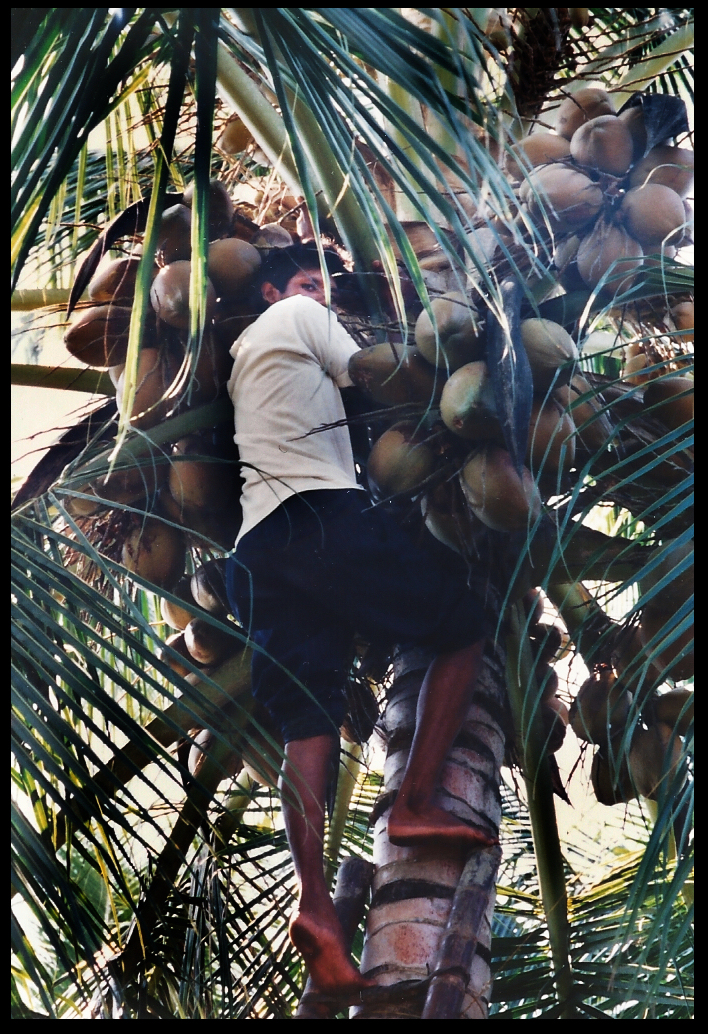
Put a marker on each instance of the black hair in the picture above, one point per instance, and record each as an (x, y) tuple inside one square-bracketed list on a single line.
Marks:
[(282, 264)]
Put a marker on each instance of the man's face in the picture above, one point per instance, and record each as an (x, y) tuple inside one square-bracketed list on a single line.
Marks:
[(307, 282)]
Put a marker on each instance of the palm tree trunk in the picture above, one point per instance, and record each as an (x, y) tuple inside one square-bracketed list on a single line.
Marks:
[(414, 887)]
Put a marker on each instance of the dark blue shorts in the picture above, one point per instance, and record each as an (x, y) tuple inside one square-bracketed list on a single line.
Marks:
[(321, 567)]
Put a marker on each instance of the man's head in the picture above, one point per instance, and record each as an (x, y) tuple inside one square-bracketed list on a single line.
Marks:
[(296, 270)]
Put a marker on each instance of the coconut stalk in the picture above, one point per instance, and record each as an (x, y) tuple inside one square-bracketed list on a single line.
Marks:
[(28, 300), (523, 693), (349, 768), (63, 378), (459, 942), (350, 894)]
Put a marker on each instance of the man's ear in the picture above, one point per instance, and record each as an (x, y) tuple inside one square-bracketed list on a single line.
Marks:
[(270, 293)]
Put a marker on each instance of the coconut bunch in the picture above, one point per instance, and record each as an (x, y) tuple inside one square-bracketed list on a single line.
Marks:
[(194, 483), (452, 431), (609, 188), (196, 639)]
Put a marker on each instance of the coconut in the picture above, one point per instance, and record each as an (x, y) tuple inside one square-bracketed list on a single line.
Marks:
[(546, 640), (593, 427), (467, 404), (169, 295), (670, 400), (612, 784), (600, 708), (654, 759), (584, 105), (609, 254), (551, 352), (672, 661), (272, 235), (448, 517), (551, 439), (114, 281), (680, 586), (155, 552), (498, 496), (683, 316), (172, 613), (400, 461), (208, 587), (604, 145), (132, 484), (210, 374), (199, 483), (459, 340), (232, 264), (670, 166), (546, 680), (579, 16), (155, 374), (174, 235), (235, 137), (221, 208), (675, 709), (394, 374), (567, 198), (654, 215), (534, 150), (99, 337), (207, 644), (176, 642), (554, 715)]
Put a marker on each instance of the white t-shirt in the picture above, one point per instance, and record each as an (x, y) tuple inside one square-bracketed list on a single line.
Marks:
[(288, 368)]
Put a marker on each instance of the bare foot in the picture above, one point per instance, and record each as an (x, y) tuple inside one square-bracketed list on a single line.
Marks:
[(331, 969), (408, 827)]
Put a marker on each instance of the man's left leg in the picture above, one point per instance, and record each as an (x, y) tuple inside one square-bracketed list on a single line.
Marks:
[(314, 928)]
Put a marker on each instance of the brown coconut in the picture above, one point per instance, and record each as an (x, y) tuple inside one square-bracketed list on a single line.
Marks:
[(670, 166), (177, 644), (448, 517), (155, 552), (272, 235), (654, 758), (169, 295), (400, 460), (612, 784), (498, 496), (654, 215), (235, 137), (593, 427), (583, 105), (670, 400), (114, 281), (200, 483), (567, 198), (554, 715), (604, 145), (669, 662), (467, 404), (600, 708), (156, 373), (174, 235), (633, 119), (207, 644), (393, 374), (675, 709), (551, 439), (172, 613), (609, 254), (221, 208), (99, 336), (208, 587), (551, 352), (680, 586), (534, 150), (232, 264), (459, 339), (683, 316)]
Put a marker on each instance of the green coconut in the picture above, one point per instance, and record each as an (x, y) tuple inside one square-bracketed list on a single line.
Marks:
[(400, 461), (459, 340), (498, 496), (551, 352)]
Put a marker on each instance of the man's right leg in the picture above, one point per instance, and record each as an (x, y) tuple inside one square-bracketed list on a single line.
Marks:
[(314, 928)]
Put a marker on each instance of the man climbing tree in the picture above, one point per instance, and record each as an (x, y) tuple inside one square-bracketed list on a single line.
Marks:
[(314, 563)]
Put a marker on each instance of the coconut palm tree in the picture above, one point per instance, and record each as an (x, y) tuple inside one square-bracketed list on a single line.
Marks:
[(151, 873)]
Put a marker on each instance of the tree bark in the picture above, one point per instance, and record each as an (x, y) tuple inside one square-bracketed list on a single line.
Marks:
[(414, 887)]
